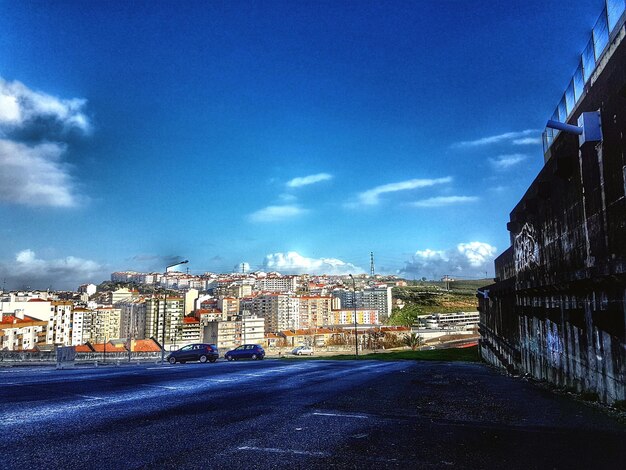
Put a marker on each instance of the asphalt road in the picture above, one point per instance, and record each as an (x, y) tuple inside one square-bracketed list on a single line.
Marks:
[(296, 414)]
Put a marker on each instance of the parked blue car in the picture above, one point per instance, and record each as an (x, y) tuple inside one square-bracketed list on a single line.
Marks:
[(194, 352), (246, 351)]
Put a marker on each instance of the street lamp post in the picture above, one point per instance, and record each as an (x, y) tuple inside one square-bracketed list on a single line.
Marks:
[(356, 333), (165, 309)]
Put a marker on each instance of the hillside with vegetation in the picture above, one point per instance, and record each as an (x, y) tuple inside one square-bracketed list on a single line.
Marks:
[(428, 297)]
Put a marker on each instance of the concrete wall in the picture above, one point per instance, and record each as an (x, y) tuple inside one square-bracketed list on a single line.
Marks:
[(557, 309)]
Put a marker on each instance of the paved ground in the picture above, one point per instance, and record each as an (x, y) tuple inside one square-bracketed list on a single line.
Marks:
[(296, 414)]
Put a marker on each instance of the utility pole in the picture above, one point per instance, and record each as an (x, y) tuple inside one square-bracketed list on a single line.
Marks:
[(356, 332)]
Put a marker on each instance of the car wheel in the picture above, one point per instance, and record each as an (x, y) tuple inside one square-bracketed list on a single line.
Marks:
[(229, 358), (203, 359), (253, 357), (172, 360), (213, 359)]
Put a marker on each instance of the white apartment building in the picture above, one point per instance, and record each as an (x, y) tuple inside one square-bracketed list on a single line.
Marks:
[(371, 297), (273, 283), (228, 334), (252, 329), (60, 323), (20, 334), (89, 289), (160, 320), (81, 325), (34, 306), (280, 310)]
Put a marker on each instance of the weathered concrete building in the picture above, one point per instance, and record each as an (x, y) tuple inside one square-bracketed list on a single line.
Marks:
[(557, 309)]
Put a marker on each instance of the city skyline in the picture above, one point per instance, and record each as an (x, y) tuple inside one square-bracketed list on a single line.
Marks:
[(287, 136)]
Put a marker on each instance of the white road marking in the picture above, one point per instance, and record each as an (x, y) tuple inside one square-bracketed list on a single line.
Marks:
[(159, 386), (285, 451), (88, 397), (341, 415)]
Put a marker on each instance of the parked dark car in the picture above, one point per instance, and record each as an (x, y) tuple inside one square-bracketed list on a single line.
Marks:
[(246, 351), (194, 352)]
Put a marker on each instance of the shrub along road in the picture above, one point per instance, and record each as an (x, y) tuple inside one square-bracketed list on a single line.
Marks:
[(296, 414)]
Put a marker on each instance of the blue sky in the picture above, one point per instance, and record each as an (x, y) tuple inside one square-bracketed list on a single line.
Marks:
[(291, 136)]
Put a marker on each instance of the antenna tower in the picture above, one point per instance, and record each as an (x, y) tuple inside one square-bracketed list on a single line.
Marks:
[(372, 263)]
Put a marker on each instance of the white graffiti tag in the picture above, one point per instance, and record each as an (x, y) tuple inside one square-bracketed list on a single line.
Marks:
[(526, 249)]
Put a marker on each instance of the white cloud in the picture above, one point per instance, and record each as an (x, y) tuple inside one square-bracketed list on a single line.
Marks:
[(503, 162), (287, 198), (21, 108), (294, 263), (518, 138), (471, 259), (34, 130), (527, 141), (372, 196), (276, 213), (63, 273), (35, 175), (306, 180), (444, 201)]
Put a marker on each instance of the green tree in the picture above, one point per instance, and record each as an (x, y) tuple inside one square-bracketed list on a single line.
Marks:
[(413, 340)]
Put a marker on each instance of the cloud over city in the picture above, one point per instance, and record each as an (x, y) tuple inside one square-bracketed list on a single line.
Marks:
[(504, 162), (525, 137), (442, 201), (307, 180), (294, 263), (469, 260), (35, 130), (276, 213), (26, 269), (372, 196)]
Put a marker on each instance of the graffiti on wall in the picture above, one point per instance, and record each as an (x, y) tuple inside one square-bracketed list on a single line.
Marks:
[(526, 249)]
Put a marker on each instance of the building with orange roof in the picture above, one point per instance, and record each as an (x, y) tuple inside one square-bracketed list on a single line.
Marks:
[(18, 334), (145, 345), (190, 330)]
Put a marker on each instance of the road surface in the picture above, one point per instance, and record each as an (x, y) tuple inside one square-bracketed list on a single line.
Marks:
[(296, 414)]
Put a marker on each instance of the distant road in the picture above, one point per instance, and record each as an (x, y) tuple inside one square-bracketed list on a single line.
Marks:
[(296, 414)]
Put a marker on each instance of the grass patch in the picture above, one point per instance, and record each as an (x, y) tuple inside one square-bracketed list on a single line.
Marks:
[(447, 355)]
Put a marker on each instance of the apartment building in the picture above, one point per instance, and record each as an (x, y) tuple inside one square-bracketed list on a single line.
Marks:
[(21, 334), (33, 304), (229, 306), (191, 330), (228, 334), (60, 323), (132, 318), (162, 320), (280, 310), (81, 325), (370, 297), (314, 311), (273, 283), (346, 317)]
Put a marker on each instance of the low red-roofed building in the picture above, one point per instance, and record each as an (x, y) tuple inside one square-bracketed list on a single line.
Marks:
[(145, 345), (18, 334)]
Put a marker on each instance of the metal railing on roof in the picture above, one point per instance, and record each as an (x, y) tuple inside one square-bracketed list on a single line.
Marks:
[(609, 22)]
